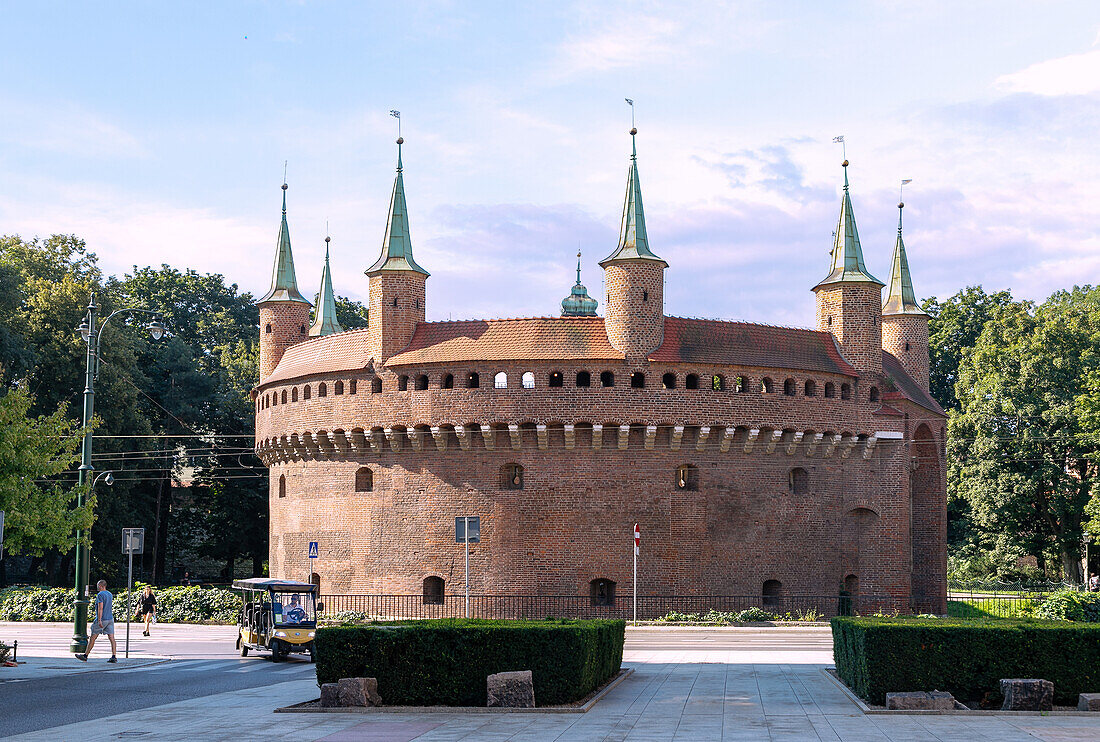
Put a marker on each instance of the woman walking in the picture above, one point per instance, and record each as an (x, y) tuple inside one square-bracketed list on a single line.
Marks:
[(148, 608)]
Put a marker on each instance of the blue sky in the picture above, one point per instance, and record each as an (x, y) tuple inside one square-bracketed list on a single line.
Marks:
[(158, 132)]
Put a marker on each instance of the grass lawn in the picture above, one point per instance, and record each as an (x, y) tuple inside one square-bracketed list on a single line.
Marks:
[(991, 608)]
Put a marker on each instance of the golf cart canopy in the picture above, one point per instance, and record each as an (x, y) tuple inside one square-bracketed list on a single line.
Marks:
[(265, 583)]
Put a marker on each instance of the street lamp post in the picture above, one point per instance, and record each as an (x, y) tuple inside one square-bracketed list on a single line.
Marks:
[(92, 335)]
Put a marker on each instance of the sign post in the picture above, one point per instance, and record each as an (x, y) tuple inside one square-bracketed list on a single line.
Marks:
[(637, 546), (133, 542), (1, 534), (467, 531), (314, 553)]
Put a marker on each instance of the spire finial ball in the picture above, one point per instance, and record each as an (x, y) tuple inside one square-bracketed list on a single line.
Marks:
[(901, 204), (844, 164), (401, 140), (284, 186), (328, 240), (633, 131)]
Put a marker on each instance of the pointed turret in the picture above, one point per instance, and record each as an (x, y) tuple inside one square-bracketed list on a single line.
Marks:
[(635, 279), (397, 254), (397, 283), (578, 303), (900, 297), (284, 313), (324, 320), (284, 284), (904, 323), (849, 299)]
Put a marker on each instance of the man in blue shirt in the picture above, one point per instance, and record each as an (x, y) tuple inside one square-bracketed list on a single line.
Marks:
[(104, 622)]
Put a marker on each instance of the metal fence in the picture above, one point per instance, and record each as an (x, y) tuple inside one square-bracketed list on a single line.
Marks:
[(650, 607)]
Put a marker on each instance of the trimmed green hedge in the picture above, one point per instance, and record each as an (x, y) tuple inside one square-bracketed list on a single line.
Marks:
[(174, 604), (445, 662), (876, 656)]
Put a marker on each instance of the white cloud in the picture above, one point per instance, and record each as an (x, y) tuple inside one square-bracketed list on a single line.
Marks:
[(1076, 74), (65, 128)]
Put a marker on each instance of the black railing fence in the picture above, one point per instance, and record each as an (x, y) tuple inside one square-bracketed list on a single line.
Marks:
[(650, 607)]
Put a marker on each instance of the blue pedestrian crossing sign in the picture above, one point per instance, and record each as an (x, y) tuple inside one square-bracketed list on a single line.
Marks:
[(314, 552)]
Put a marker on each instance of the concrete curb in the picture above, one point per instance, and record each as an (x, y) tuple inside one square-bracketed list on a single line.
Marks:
[(583, 708), (668, 625)]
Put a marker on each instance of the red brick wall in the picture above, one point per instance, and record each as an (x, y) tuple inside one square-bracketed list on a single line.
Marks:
[(391, 327), (634, 311), (853, 313), (289, 325), (905, 336)]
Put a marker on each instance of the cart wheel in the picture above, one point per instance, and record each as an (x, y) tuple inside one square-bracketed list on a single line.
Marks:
[(276, 652), (244, 649)]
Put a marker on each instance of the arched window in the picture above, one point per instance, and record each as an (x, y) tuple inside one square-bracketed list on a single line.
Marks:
[(449, 381), (584, 378), (283, 397), (556, 379), (511, 477), (687, 477), (790, 388), (433, 590), (811, 388), (874, 394), (668, 381), (282, 485), (528, 380), (607, 378), (294, 394), (376, 385), (851, 585), (691, 382), (741, 384), (830, 390), (402, 383), (315, 579), (602, 592), (274, 398), (717, 383), (500, 381), (352, 386), (322, 390), (473, 380), (395, 301), (301, 329), (338, 387), (364, 480), (268, 329), (798, 481), (845, 391), (772, 591), (637, 380), (767, 386), (422, 382), (306, 393)]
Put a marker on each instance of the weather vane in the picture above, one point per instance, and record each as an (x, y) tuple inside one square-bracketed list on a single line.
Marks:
[(630, 102), (901, 190), (397, 115), (284, 172), (843, 147)]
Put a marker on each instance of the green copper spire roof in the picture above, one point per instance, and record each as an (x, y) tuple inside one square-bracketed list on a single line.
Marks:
[(900, 298), (397, 253), (633, 241), (284, 286), (324, 321), (847, 255), (578, 303)]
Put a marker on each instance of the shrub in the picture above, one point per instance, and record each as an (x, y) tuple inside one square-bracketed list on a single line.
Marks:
[(1070, 605), (174, 604), (446, 661), (5, 650), (876, 656)]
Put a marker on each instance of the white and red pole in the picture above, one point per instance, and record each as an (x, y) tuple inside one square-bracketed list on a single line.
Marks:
[(637, 547)]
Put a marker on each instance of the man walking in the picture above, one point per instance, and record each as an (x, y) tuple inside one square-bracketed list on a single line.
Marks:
[(104, 622)]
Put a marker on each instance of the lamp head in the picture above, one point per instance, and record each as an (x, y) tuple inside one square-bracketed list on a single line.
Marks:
[(156, 329), (109, 479), (85, 330)]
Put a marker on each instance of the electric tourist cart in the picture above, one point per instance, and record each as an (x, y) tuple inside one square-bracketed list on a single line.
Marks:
[(279, 616)]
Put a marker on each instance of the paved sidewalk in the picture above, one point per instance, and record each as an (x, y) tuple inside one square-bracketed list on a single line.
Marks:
[(33, 668), (668, 700)]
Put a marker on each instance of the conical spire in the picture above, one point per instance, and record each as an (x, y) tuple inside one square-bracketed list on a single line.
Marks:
[(397, 252), (847, 255), (900, 298), (284, 286), (578, 303), (324, 320), (633, 241)]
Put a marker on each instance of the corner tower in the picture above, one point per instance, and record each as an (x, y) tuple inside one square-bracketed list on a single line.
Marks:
[(849, 299), (397, 283), (904, 323), (324, 320), (284, 313), (635, 278), (578, 303)]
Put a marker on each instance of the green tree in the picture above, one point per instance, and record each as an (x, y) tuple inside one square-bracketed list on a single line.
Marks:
[(39, 507), (352, 314)]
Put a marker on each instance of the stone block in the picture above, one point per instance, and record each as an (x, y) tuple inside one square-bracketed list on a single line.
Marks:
[(511, 689), (1088, 702), (937, 700), (330, 695), (359, 692), (1027, 694)]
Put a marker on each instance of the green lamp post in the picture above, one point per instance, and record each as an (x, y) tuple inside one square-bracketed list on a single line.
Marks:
[(92, 334)]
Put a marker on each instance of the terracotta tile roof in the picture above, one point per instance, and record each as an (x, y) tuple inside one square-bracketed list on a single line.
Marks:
[(905, 385), (530, 339), (342, 351), (746, 344)]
